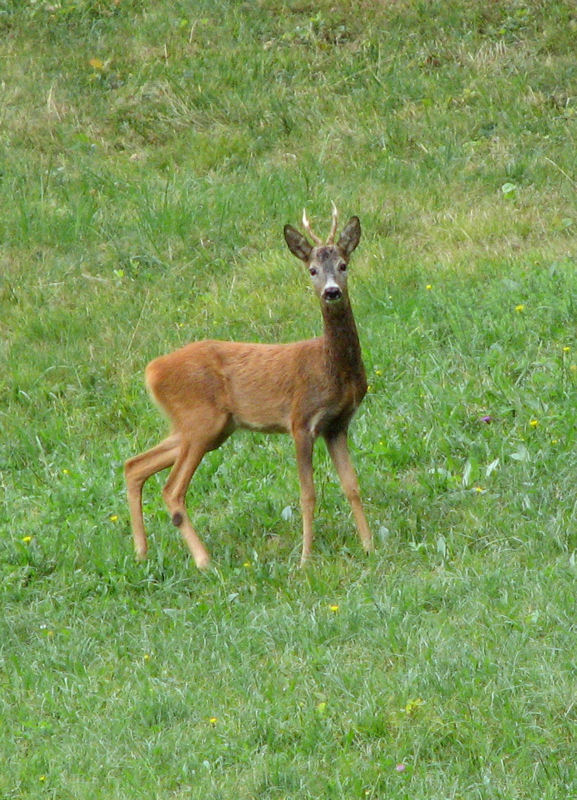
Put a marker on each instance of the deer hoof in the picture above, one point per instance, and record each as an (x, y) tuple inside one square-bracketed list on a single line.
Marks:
[(202, 561)]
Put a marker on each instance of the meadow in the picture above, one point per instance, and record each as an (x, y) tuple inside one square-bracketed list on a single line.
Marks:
[(150, 154)]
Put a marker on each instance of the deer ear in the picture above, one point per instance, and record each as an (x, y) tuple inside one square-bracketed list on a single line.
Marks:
[(297, 243), (351, 236)]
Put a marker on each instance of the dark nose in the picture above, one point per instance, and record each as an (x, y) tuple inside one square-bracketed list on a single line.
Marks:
[(332, 293)]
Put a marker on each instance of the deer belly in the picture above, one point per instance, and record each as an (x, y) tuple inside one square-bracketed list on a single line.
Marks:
[(262, 416), (260, 427)]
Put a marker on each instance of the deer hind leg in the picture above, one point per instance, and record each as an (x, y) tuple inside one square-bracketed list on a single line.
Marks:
[(207, 433), (339, 452), (304, 449), (137, 470)]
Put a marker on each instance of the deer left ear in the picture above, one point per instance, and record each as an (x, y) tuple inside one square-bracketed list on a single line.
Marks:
[(351, 236), (297, 243)]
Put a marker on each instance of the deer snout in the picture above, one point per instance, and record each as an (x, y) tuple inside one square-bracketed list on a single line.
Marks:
[(332, 293)]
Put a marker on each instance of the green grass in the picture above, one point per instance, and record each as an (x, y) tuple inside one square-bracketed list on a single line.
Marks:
[(150, 154)]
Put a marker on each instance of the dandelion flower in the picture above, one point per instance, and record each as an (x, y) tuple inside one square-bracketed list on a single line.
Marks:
[(566, 349), (27, 539), (520, 308), (534, 423), (213, 721), (334, 608), (113, 517), (429, 286)]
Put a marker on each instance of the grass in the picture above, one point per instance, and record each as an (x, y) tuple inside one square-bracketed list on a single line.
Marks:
[(150, 154)]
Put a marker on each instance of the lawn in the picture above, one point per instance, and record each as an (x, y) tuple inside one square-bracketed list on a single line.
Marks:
[(150, 154)]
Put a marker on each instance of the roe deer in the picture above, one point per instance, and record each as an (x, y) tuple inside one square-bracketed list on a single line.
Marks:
[(308, 389)]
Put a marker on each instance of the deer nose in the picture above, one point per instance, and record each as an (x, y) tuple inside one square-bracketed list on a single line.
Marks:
[(332, 293)]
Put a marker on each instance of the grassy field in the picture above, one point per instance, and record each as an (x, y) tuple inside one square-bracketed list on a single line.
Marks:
[(150, 154)]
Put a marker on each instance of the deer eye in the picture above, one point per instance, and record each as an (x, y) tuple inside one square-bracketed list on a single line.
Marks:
[(313, 270), (342, 267)]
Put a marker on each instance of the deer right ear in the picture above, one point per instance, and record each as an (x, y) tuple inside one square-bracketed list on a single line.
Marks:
[(297, 243)]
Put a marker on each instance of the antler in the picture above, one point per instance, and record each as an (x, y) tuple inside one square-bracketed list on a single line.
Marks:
[(335, 221), (307, 226), (316, 239)]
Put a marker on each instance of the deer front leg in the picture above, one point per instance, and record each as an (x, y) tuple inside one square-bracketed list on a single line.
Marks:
[(304, 451), (339, 452)]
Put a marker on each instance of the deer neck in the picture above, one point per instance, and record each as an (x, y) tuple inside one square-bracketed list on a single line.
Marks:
[(341, 342)]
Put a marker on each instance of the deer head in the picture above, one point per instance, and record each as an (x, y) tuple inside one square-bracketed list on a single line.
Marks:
[(327, 262)]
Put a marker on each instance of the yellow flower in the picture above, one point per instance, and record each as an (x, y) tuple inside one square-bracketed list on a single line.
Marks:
[(429, 286), (66, 472), (520, 308), (27, 539), (566, 349), (413, 705), (334, 608), (534, 423), (247, 565), (96, 63), (321, 707), (213, 721), (113, 517)]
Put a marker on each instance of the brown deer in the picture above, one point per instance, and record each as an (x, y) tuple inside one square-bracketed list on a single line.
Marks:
[(308, 389)]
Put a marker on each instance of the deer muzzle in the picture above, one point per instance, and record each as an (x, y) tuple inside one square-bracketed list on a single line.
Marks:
[(332, 293)]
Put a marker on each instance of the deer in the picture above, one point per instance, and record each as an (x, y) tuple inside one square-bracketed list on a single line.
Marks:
[(308, 389)]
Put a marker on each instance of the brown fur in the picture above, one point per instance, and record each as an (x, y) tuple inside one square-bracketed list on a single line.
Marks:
[(312, 388)]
